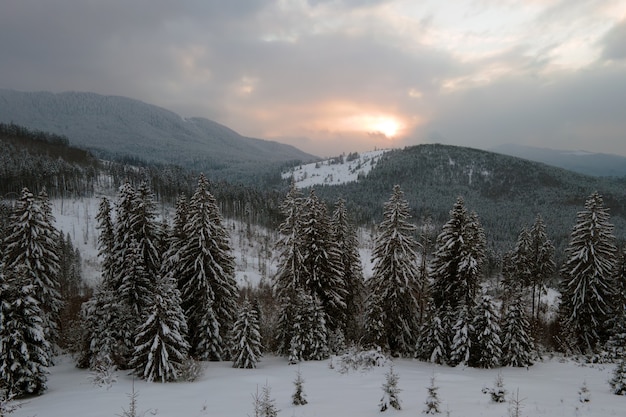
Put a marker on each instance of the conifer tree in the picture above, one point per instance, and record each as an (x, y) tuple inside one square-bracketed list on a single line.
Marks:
[(299, 397), (517, 344), (587, 277), (136, 288), (160, 342), (486, 349), (542, 265), (31, 247), (287, 281), (206, 276), (434, 340), (618, 380), (616, 345), (24, 351), (246, 338), (309, 339), (433, 402), (109, 331), (392, 289), (344, 236), (321, 259), (391, 392), (463, 333), (106, 243), (457, 262)]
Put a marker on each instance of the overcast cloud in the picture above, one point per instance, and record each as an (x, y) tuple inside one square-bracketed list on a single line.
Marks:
[(333, 76)]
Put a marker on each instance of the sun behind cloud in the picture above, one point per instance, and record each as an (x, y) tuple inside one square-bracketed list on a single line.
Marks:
[(387, 125)]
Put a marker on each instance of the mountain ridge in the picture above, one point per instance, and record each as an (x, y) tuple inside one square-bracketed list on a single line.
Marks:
[(584, 162), (122, 126)]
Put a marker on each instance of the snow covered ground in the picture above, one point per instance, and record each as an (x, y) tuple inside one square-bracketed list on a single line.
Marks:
[(547, 389), (331, 172)]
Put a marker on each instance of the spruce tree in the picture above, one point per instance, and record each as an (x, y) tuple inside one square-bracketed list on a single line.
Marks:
[(616, 345), (321, 260), (486, 349), (587, 277), (206, 276), (24, 351), (299, 397), (309, 340), (288, 281), (31, 247), (246, 346), (391, 392), (160, 342), (106, 243), (344, 236), (517, 345), (618, 380), (457, 262), (433, 402), (463, 333), (434, 340), (108, 331), (393, 286), (542, 265)]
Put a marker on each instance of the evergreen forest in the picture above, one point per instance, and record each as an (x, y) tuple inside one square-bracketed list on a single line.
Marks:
[(468, 249)]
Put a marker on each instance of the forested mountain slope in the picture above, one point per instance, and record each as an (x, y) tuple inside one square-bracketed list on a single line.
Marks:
[(119, 126), (506, 192)]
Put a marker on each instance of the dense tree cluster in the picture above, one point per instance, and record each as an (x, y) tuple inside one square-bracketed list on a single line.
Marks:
[(168, 292)]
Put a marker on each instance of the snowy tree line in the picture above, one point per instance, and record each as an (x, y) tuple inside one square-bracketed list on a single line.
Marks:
[(168, 297)]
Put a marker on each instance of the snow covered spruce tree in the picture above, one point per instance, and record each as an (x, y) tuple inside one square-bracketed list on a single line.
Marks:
[(458, 258), (321, 261), (106, 324), (24, 351), (309, 283), (31, 246), (616, 345), (487, 347), (206, 277), (160, 342), (345, 238), (391, 392), (587, 278), (518, 348), (287, 280), (462, 337), (455, 272), (541, 263), (309, 338), (246, 346), (434, 340), (392, 302)]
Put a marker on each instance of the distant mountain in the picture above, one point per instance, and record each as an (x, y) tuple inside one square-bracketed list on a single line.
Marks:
[(119, 126), (505, 191), (588, 163)]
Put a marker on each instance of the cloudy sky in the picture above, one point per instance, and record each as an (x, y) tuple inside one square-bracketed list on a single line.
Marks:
[(331, 76)]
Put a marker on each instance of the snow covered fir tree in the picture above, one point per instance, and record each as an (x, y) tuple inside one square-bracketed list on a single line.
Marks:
[(392, 303), (586, 299), (246, 344)]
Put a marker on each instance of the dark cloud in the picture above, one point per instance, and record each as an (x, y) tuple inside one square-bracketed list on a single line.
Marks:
[(614, 42)]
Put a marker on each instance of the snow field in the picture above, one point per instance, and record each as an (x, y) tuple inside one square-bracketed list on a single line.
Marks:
[(547, 389)]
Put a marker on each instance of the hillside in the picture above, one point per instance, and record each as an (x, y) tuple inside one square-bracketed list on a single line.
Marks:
[(113, 126), (506, 192)]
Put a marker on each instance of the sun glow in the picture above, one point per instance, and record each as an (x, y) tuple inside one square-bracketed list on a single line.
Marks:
[(388, 126)]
